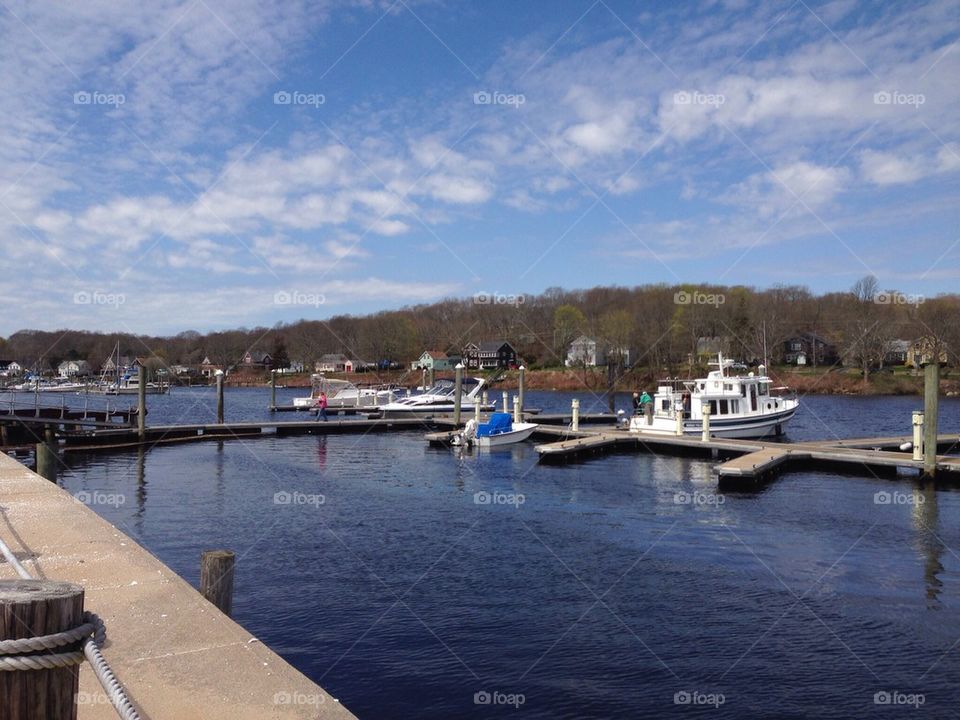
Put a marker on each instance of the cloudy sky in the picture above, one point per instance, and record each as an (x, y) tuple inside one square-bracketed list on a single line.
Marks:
[(203, 164)]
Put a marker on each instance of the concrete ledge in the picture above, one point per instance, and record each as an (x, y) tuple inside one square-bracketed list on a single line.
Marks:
[(177, 655)]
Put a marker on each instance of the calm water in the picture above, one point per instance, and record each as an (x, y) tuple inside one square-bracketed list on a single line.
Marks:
[(602, 594)]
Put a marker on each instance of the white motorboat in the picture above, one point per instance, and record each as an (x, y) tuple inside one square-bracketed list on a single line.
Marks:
[(344, 394), (130, 385), (499, 430), (740, 406), (438, 400)]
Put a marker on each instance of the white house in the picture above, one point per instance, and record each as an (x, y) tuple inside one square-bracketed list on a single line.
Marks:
[(73, 368), (587, 352), (10, 368)]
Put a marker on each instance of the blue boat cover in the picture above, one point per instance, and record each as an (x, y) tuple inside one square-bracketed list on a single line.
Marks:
[(499, 423)]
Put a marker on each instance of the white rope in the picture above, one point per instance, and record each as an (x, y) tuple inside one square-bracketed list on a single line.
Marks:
[(12, 657)]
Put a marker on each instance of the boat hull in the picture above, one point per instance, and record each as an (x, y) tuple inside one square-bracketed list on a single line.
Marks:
[(767, 425), (521, 432), (397, 410)]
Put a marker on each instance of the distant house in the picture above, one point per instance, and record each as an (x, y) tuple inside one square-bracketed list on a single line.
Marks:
[(180, 370), (896, 352), (921, 353), (207, 368), (582, 352), (435, 360), (10, 368), (809, 349), (73, 368), (489, 354), (334, 362), (257, 359), (587, 352)]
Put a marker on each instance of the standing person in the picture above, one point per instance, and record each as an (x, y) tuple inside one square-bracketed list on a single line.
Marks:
[(636, 403), (322, 404), (646, 405)]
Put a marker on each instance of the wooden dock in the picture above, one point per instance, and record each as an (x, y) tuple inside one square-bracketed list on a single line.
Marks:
[(750, 461)]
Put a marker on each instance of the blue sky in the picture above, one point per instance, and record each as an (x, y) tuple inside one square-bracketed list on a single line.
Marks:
[(200, 165)]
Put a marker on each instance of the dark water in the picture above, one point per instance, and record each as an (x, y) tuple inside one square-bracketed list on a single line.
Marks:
[(602, 595)]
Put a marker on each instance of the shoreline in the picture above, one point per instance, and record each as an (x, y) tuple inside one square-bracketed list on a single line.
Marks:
[(833, 381)]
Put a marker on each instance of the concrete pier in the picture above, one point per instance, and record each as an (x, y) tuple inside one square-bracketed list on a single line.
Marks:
[(178, 656)]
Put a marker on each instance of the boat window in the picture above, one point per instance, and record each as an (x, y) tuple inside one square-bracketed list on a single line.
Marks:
[(665, 405), (743, 390), (713, 407), (764, 388), (728, 386), (753, 398), (702, 386), (734, 406), (723, 407)]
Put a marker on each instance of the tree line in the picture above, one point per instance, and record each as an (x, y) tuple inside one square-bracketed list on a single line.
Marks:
[(659, 324)]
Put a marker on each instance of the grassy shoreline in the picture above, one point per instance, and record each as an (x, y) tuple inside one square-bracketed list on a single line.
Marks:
[(806, 381)]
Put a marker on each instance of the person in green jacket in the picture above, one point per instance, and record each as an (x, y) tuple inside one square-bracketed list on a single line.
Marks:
[(646, 406)]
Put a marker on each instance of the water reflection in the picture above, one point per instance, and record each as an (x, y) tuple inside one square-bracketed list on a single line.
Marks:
[(926, 520), (141, 493)]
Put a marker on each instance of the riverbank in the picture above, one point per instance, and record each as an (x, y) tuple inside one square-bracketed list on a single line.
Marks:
[(806, 381)]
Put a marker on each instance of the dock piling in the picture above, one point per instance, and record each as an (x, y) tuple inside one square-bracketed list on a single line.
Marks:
[(476, 413), (219, 375), (516, 408), (705, 435), (521, 382), (34, 608), (216, 578), (506, 401), (679, 417), (46, 454), (575, 412), (457, 393), (931, 402), (141, 401), (273, 390)]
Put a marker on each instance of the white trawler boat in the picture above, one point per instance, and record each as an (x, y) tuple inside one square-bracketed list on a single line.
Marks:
[(740, 406), (438, 400), (344, 394)]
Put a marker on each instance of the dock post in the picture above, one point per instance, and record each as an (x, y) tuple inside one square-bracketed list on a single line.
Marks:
[(575, 412), (219, 375), (485, 398), (423, 379), (216, 578), (141, 402), (273, 390), (506, 401), (46, 454), (516, 408), (457, 393), (679, 416), (476, 413), (918, 435), (34, 608), (705, 411), (521, 383), (433, 376), (931, 402)]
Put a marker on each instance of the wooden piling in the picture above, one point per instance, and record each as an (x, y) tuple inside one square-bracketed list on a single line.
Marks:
[(32, 608), (931, 402), (46, 454), (219, 397), (216, 578), (141, 401), (457, 393), (917, 435), (520, 388), (273, 390)]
